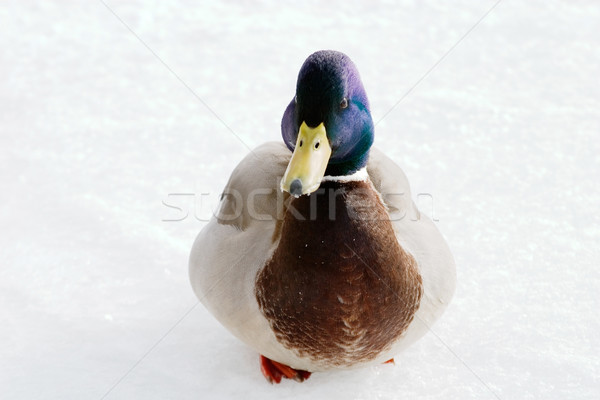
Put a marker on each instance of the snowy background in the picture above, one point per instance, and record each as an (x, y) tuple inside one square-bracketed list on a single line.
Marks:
[(107, 112)]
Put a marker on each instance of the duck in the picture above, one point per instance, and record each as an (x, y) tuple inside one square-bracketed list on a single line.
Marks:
[(317, 257)]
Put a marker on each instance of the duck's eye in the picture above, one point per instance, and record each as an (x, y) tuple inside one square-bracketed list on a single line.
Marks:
[(317, 145), (300, 145), (344, 103)]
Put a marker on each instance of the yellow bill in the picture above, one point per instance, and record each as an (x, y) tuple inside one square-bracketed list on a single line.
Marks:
[(309, 161)]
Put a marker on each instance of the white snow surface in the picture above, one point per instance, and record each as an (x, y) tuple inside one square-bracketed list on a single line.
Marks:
[(98, 131)]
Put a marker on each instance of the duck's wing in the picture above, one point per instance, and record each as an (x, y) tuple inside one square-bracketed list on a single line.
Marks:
[(392, 184), (252, 193), (237, 241), (418, 235)]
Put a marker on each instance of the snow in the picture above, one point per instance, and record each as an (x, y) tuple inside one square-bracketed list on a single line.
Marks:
[(98, 136)]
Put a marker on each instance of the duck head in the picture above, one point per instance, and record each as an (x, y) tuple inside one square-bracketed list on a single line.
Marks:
[(328, 125)]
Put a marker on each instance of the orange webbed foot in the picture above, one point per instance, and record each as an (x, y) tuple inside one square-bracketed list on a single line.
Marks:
[(274, 371), (390, 361)]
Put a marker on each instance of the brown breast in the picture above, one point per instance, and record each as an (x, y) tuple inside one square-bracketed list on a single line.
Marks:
[(338, 289)]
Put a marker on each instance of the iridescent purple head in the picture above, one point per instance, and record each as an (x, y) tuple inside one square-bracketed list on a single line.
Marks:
[(329, 91)]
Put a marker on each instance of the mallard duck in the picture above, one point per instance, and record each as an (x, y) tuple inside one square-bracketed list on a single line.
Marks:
[(317, 257)]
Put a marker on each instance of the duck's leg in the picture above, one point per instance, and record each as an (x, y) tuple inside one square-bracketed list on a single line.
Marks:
[(274, 371), (390, 361)]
